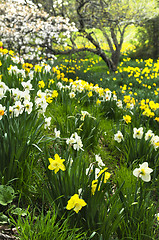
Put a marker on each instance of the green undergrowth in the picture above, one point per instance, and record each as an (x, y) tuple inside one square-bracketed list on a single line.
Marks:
[(46, 226)]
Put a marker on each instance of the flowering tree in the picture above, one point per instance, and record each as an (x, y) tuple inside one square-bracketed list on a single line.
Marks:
[(30, 31)]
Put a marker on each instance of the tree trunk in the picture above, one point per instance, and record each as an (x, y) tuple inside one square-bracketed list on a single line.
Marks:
[(115, 58)]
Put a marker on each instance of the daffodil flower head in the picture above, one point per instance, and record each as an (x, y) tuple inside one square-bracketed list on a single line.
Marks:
[(57, 133), (127, 119), (94, 186), (138, 133), (157, 216), (99, 161), (118, 137), (106, 175), (149, 134), (75, 203), (56, 164), (143, 172)]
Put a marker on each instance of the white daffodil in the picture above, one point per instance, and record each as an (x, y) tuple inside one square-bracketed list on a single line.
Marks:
[(70, 141), (47, 122), (115, 97), (3, 86), (72, 94), (83, 114), (138, 133), (78, 145), (76, 141), (27, 85), (149, 135), (26, 95), (57, 133), (2, 111), (143, 172), (41, 94), (118, 136), (28, 106), (2, 93), (107, 96), (119, 104), (41, 104), (89, 170), (99, 160), (47, 68), (155, 141), (18, 108)]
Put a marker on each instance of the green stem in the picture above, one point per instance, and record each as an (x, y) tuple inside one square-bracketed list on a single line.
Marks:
[(136, 190)]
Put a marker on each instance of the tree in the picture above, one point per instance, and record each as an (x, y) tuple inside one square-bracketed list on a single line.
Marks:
[(31, 31), (111, 18)]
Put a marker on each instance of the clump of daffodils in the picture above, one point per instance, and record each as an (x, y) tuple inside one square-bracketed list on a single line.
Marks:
[(75, 141), (99, 172)]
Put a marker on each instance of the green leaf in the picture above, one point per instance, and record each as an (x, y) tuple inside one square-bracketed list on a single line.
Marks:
[(3, 218), (19, 211), (6, 195)]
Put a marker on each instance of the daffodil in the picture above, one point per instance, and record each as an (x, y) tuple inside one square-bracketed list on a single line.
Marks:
[(106, 175), (138, 133), (94, 186), (56, 164), (75, 203), (47, 122), (99, 161), (149, 134), (127, 119), (143, 172), (57, 133), (118, 136), (72, 94), (41, 84), (157, 217), (55, 94)]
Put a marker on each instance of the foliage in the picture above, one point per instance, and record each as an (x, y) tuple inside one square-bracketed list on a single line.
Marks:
[(45, 226), (7, 195), (147, 40), (78, 178), (139, 209), (61, 139)]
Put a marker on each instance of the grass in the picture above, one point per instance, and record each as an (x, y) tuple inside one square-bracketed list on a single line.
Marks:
[(45, 226)]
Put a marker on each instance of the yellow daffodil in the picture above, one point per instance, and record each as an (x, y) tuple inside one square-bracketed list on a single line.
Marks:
[(56, 164), (94, 186), (105, 176), (75, 203), (55, 94), (127, 119), (41, 84)]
